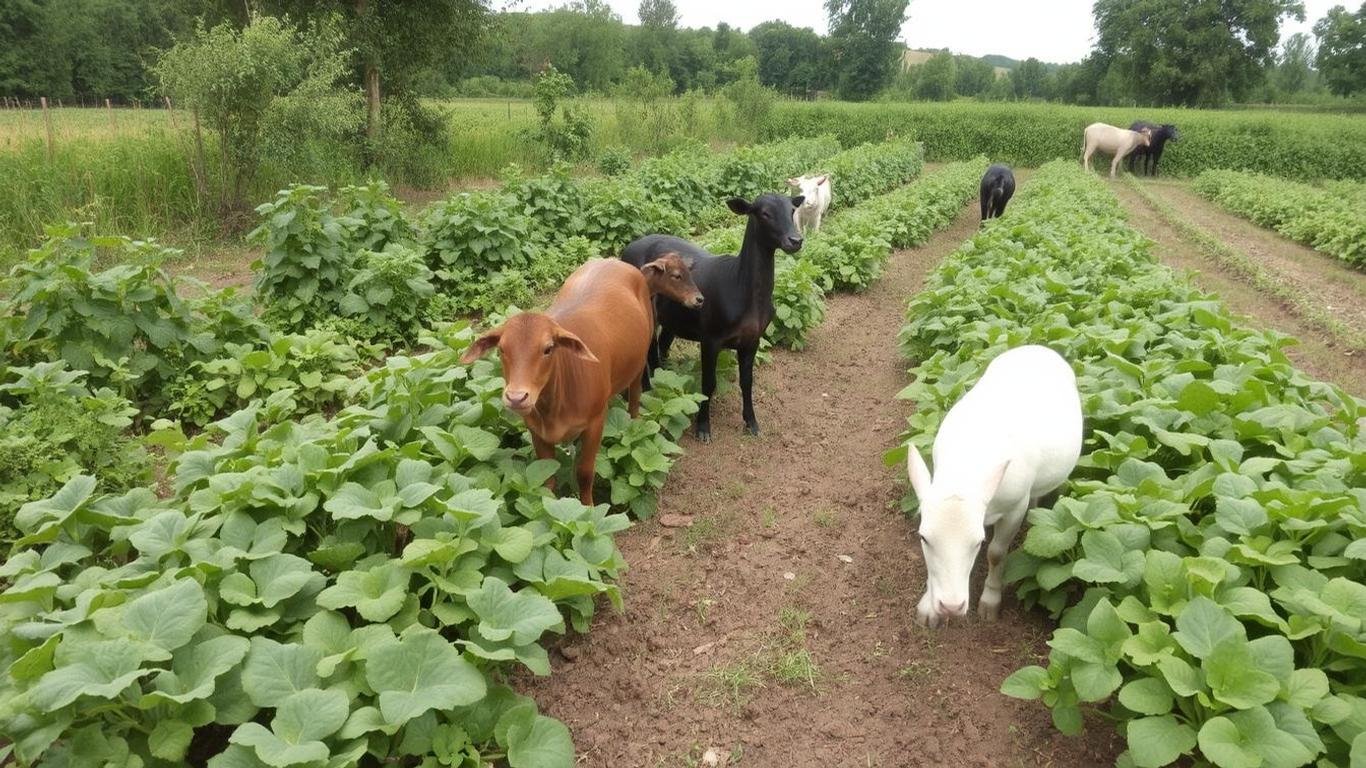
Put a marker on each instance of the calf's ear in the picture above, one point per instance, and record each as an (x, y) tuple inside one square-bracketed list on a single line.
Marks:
[(918, 472), (482, 345), (652, 267), (798, 200), (738, 205), (566, 340)]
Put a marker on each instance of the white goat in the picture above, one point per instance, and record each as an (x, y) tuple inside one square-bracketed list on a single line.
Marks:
[(1015, 436), (1113, 141), (816, 190)]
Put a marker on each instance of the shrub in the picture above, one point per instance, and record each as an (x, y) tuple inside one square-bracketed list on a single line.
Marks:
[(390, 290), (798, 302), (614, 161), (302, 276)]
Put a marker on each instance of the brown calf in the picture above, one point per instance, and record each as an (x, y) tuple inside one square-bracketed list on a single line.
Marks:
[(563, 366)]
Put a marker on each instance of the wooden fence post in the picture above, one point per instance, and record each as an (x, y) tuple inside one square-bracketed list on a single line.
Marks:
[(47, 118), (113, 123), (171, 112)]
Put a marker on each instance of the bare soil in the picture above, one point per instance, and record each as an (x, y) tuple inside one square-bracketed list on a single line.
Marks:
[(1342, 289), (778, 627)]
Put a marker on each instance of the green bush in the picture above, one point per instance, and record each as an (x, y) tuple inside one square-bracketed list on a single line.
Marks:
[(302, 276), (52, 428), (126, 326), (389, 290), (614, 161), (798, 302)]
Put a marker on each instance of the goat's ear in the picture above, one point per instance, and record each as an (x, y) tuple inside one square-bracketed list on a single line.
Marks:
[(798, 200), (918, 472), (482, 345), (566, 340), (652, 267), (994, 481), (821, 180), (738, 205)]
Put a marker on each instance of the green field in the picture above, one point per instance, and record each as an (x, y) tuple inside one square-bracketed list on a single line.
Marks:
[(133, 173)]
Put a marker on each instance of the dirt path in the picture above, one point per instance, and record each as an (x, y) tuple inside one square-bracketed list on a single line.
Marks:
[(1341, 290), (778, 628)]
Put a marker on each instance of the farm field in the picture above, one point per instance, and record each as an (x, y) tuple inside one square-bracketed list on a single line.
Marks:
[(312, 482)]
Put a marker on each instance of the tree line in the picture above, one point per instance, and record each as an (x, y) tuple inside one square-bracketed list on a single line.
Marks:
[(1180, 52)]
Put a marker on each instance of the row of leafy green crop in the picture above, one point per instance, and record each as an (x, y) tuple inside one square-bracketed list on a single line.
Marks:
[(1296, 146), (318, 589), (1329, 220), (1206, 560), (851, 250)]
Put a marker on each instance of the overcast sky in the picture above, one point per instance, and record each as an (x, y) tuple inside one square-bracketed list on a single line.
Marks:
[(1052, 30)]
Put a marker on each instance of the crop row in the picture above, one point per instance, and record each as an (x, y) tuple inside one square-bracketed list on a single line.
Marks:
[(1297, 146), (1329, 220), (1206, 559)]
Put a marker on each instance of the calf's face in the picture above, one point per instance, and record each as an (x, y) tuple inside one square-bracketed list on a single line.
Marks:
[(670, 276), (808, 186), (528, 344), (952, 530), (775, 217)]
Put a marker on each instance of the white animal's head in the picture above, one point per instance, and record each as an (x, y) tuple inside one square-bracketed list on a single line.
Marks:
[(952, 530), (808, 186)]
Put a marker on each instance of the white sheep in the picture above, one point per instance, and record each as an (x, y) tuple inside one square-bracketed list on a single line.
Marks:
[(1113, 141), (816, 191), (1015, 436)]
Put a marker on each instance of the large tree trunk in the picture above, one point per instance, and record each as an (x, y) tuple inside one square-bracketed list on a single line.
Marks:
[(371, 101), (371, 84)]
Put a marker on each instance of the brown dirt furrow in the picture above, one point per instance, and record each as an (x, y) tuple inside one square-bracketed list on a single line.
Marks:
[(1316, 352), (796, 544), (1339, 288)]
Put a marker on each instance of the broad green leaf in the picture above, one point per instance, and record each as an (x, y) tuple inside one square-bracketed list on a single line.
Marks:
[(168, 617), (1147, 696), (376, 594), (275, 671), (280, 577), (545, 743), (420, 672), (1026, 683), (513, 544), (102, 669), (195, 668), (170, 739), (521, 617), (1235, 679), (1203, 625), (1158, 741)]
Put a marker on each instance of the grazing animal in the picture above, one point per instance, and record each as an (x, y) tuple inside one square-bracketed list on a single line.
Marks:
[(738, 291), (669, 277), (1012, 438), (815, 192), (563, 366), (1151, 154), (1112, 141), (998, 185)]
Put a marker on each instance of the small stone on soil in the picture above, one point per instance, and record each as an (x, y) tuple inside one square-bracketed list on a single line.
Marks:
[(845, 558), (675, 521), (790, 576)]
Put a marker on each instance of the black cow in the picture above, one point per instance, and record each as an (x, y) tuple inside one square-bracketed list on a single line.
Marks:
[(1160, 135), (738, 292), (998, 185)]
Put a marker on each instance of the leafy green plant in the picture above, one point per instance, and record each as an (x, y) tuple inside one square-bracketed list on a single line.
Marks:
[(125, 325), (52, 428), (1328, 220), (614, 161), (1203, 559), (389, 289), (563, 132), (474, 234), (315, 368), (552, 263), (617, 212), (798, 302), (303, 273), (372, 216)]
